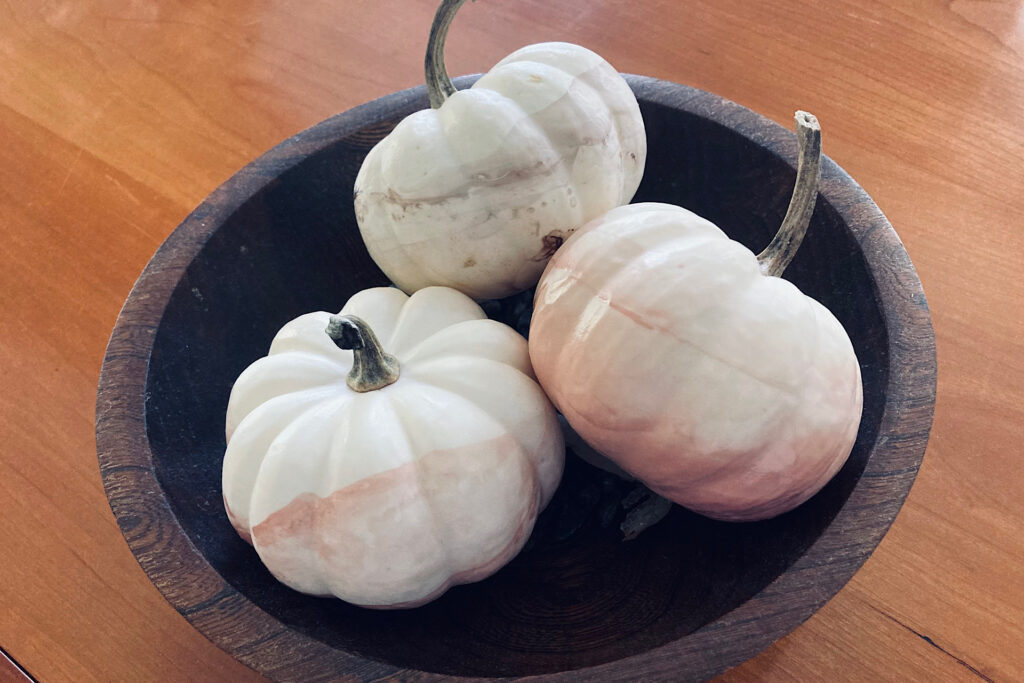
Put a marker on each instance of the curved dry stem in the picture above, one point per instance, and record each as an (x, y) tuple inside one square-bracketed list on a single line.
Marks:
[(371, 368), (439, 85), (778, 254)]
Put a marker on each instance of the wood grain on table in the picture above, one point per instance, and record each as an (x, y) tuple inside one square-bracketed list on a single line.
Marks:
[(118, 117)]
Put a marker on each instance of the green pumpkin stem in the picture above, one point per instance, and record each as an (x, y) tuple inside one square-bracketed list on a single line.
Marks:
[(778, 254), (371, 368), (439, 85)]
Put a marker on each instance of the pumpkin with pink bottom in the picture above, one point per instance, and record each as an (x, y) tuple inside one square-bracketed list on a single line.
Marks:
[(389, 452), (684, 359)]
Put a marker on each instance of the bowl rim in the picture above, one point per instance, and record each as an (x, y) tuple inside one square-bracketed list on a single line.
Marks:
[(214, 607)]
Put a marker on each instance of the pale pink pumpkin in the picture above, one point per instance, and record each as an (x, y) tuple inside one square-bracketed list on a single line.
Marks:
[(681, 356), (385, 474)]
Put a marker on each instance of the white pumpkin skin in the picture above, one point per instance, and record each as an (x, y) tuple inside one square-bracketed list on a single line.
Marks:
[(478, 193), (386, 498), (667, 350)]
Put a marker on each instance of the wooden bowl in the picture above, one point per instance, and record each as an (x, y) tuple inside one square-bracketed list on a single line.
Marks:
[(687, 599)]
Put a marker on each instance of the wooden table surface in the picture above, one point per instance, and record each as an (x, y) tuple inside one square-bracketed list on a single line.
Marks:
[(118, 116)]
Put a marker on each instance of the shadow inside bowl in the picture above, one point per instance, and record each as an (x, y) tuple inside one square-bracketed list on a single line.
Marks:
[(578, 595)]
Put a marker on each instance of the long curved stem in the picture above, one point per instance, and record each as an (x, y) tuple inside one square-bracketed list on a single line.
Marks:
[(439, 85), (781, 250), (371, 368)]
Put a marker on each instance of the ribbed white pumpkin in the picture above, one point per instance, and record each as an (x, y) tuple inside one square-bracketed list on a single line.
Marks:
[(477, 193), (386, 497), (671, 351)]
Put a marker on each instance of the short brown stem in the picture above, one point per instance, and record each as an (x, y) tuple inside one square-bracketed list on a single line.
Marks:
[(439, 85), (778, 254), (371, 368)]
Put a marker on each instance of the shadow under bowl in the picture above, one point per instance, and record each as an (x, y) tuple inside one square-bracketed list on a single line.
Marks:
[(686, 600)]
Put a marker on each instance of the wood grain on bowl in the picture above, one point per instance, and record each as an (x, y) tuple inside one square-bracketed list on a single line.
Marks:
[(686, 600)]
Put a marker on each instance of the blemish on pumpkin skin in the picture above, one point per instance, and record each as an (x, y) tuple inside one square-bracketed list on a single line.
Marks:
[(469, 263), (551, 243), (393, 198), (359, 207)]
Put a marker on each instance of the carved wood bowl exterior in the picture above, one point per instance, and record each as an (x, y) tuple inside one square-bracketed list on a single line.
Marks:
[(687, 599)]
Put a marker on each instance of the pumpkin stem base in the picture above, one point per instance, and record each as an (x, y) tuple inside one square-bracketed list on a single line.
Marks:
[(372, 369)]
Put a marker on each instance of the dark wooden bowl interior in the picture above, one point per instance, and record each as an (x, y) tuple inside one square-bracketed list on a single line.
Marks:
[(685, 600)]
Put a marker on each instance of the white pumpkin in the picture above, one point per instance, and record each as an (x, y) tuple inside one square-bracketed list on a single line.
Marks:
[(478, 192), (680, 356), (385, 478)]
